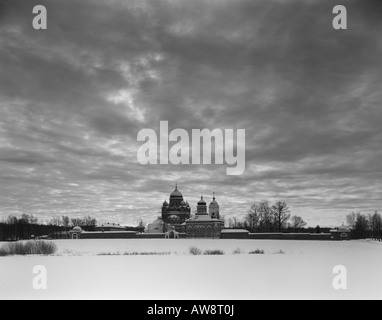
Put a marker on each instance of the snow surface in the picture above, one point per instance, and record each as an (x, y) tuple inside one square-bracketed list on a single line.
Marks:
[(305, 271), (182, 246)]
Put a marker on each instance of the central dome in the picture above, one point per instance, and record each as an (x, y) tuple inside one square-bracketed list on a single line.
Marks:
[(176, 193)]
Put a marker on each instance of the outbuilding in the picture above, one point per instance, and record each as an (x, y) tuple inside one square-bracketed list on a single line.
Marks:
[(340, 234)]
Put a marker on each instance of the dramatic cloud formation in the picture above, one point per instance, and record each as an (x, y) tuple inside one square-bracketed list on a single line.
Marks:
[(74, 97)]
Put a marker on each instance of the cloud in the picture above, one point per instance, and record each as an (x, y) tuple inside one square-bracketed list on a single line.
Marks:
[(74, 97)]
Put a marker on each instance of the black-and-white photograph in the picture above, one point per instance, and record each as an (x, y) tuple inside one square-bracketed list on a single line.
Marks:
[(210, 150)]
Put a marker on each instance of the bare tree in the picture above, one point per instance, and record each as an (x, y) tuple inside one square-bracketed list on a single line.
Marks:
[(361, 226), (252, 218), (297, 223), (351, 219), (55, 221), (141, 224), (76, 222), (25, 219), (281, 214), (33, 219), (89, 223), (65, 221), (376, 225), (12, 220), (28, 219), (265, 217), (233, 223)]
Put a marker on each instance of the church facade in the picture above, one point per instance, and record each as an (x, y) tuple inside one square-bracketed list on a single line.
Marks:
[(203, 224), (177, 211), (176, 214)]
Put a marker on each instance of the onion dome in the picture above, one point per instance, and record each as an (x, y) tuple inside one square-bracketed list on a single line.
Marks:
[(202, 202), (183, 204), (214, 202), (176, 193), (165, 204)]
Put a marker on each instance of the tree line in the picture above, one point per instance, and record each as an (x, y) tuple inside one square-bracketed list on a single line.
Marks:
[(365, 226), (24, 228), (264, 217), (27, 227)]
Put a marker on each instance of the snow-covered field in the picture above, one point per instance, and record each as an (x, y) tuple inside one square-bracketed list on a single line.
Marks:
[(81, 270)]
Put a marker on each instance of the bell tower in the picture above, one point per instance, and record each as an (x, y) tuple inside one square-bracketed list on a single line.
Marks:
[(214, 209), (202, 207)]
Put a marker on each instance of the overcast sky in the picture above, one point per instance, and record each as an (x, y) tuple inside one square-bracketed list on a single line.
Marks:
[(74, 97)]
